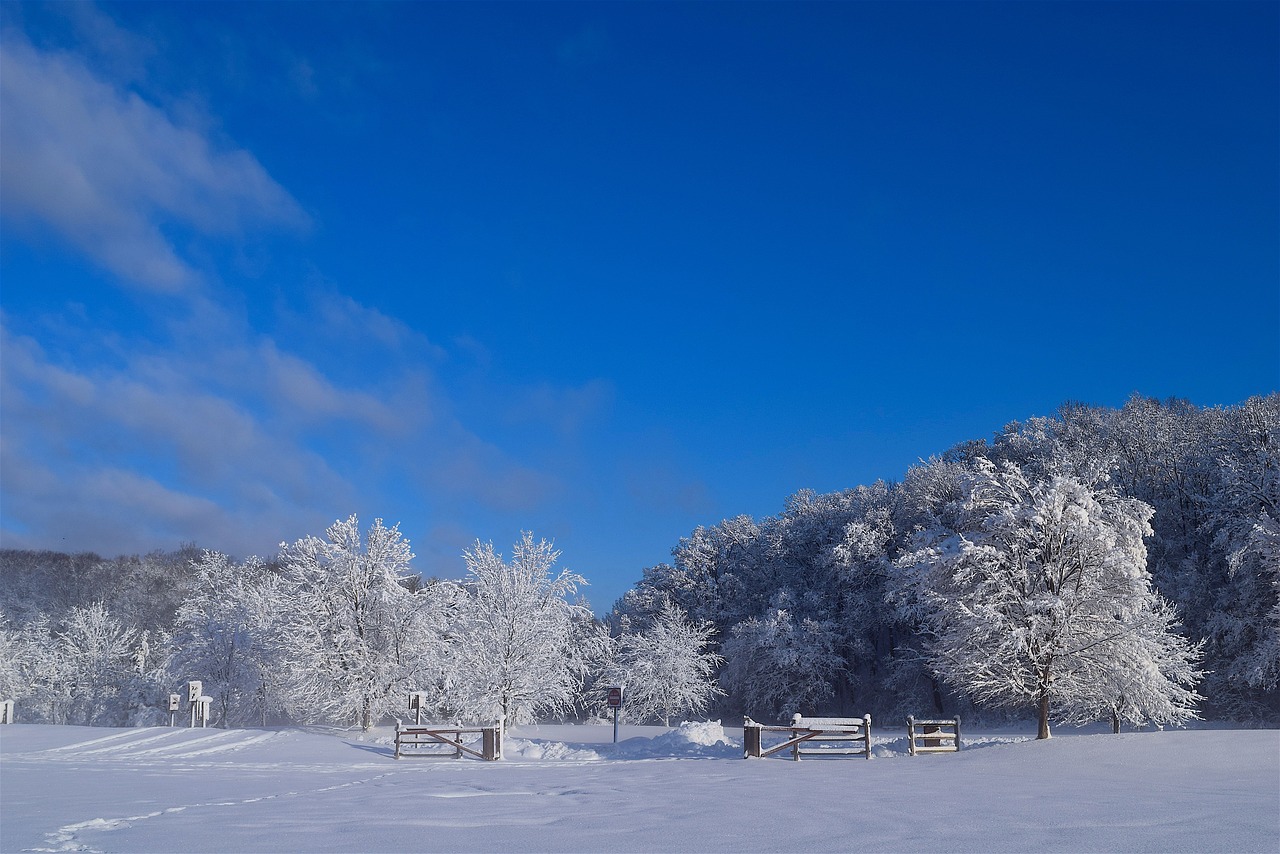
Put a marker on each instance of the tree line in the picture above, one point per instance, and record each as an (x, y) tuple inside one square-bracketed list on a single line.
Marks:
[(338, 629), (942, 591), (1102, 563)]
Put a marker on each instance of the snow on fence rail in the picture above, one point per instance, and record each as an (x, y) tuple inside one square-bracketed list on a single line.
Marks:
[(940, 735), (853, 734), (414, 740)]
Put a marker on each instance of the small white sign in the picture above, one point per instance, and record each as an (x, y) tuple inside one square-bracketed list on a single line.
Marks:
[(193, 691)]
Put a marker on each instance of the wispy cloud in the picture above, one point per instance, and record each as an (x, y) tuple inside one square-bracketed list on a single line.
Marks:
[(661, 488), (566, 409), (469, 469), (129, 457), (201, 420), (215, 441), (300, 389), (111, 173)]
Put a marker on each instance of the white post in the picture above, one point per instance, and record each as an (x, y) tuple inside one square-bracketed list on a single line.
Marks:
[(194, 689), (6, 711), (417, 699)]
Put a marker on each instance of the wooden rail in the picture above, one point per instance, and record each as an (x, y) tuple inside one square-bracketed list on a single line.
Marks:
[(933, 736), (414, 739), (804, 734)]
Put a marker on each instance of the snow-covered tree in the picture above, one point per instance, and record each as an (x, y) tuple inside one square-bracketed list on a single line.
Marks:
[(775, 664), (668, 669), (15, 682), (1044, 600), (97, 655), (514, 638), (349, 645), (48, 684), (428, 653), (228, 636), (1251, 626)]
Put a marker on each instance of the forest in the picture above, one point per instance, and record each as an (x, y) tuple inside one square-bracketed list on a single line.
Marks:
[(1097, 564)]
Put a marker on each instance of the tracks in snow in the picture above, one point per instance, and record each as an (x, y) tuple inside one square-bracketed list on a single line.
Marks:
[(152, 744)]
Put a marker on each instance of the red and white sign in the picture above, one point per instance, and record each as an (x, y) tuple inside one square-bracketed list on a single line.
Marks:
[(614, 698)]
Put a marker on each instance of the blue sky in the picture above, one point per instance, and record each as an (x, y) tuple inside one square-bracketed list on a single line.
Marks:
[(604, 272)]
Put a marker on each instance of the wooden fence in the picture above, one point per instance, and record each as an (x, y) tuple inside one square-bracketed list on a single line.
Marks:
[(421, 740), (810, 737), (933, 736)]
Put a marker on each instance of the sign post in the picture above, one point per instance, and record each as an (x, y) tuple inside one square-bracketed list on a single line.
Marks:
[(175, 701), (417, 699), (614, 699), (194, 689)]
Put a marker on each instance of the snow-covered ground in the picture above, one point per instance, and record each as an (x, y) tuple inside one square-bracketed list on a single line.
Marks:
[(568, 788)]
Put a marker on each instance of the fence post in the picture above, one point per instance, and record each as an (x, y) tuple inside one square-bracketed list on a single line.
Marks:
[(750, 739), (490, 736)]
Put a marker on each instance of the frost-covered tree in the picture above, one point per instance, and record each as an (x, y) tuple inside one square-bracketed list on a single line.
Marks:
[(668, 669), (429, 660), (514, 638), (228, 635), (1044, 600), (49, 685), (97, 660), (15, 665), (1251, 625), (349, 645), (776, 664)]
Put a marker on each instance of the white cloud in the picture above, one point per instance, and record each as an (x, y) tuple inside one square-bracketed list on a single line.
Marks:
[(125, 53), (108, 172), (232, 441), (659, 487), (471, 469), (198, 426), (355, 324), (106, 456), (565, 409), (301, 390)]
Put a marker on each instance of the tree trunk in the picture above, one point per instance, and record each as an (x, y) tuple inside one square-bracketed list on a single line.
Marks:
[(1044, 716), (366, 715), (1115, 721)]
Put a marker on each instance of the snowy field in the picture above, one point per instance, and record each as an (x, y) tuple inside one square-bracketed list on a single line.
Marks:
[(568, 788)]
